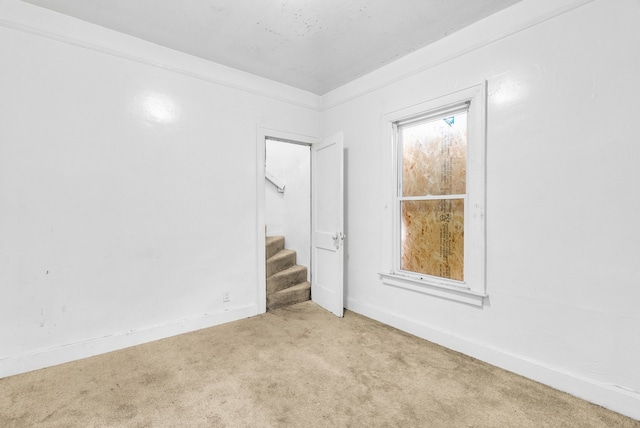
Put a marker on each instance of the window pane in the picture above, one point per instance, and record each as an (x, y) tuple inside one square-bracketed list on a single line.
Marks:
[(433, 237), (434, 157)]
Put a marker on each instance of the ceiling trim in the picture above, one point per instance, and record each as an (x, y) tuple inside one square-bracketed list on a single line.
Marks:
[(423, 59), (236, 79), (416, 62)]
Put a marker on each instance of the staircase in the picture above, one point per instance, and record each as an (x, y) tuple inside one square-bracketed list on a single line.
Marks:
[(286, 281)]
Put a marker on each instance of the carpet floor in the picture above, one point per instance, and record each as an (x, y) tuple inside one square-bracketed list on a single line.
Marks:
[(297, 366)]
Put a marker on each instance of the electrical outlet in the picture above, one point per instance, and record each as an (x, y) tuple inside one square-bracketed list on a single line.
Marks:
[(226, 297)]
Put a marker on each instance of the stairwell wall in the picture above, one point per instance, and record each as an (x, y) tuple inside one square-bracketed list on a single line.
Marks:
[(563, 238), (127, 187)]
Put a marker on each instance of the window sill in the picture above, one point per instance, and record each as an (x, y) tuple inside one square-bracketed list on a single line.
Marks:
[(446, 292)]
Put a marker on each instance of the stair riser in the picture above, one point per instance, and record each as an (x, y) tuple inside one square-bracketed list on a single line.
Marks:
[(281, 281), (274, 245), (277, 264), (285, 299)]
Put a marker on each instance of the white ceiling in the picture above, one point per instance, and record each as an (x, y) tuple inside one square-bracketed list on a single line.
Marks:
[(315, 45)]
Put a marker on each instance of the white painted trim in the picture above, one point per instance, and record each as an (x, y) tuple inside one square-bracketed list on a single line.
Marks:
[(75, 351), (57, 27), (474, 98), (494, 28), (519, 18), (431, 197), (261, 168), (262, 133), (433, 288), (612, 397)]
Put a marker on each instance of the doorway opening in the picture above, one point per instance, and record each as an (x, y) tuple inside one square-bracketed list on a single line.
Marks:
[(287, 222), (270, 220), (326, 225)]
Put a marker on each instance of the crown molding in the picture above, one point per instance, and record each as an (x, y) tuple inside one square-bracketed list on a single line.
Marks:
[(54, 26), (510, 21)]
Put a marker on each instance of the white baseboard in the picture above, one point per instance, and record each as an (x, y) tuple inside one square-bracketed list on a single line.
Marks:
[(75, 351), (612, 397)]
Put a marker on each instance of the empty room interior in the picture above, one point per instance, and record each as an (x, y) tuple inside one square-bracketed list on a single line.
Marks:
[(319, 213)]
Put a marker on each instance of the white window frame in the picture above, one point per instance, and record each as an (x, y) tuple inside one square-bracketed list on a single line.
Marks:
[(472, 290)]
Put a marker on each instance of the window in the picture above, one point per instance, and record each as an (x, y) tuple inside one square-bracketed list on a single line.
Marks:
[(436, 197)]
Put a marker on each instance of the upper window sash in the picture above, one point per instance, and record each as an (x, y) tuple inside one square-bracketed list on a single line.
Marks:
[(400, 125), (446, 111)]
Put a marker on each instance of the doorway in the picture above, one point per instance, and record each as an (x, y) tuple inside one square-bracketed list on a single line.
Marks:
[(268, 222), (288, 195), (326, 215)]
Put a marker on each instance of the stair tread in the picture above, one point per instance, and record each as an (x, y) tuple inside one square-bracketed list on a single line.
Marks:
[(286, 278), (281, 254), (280, 261), (294, 288), (273, 244), (289, 296), (289, 270)]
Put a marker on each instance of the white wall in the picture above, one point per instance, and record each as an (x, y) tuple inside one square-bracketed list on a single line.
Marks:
[(123, 221), (563, 239), (117, 229), (289, 213)]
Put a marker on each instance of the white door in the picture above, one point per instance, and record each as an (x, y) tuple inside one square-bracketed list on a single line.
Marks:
[(327, 224)]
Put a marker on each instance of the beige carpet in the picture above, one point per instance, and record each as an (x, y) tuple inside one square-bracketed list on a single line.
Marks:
[(294, 367)]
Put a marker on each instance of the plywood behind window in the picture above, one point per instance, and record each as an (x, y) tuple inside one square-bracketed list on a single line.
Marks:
[(434, 164), (434, 157), (433, 237)]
